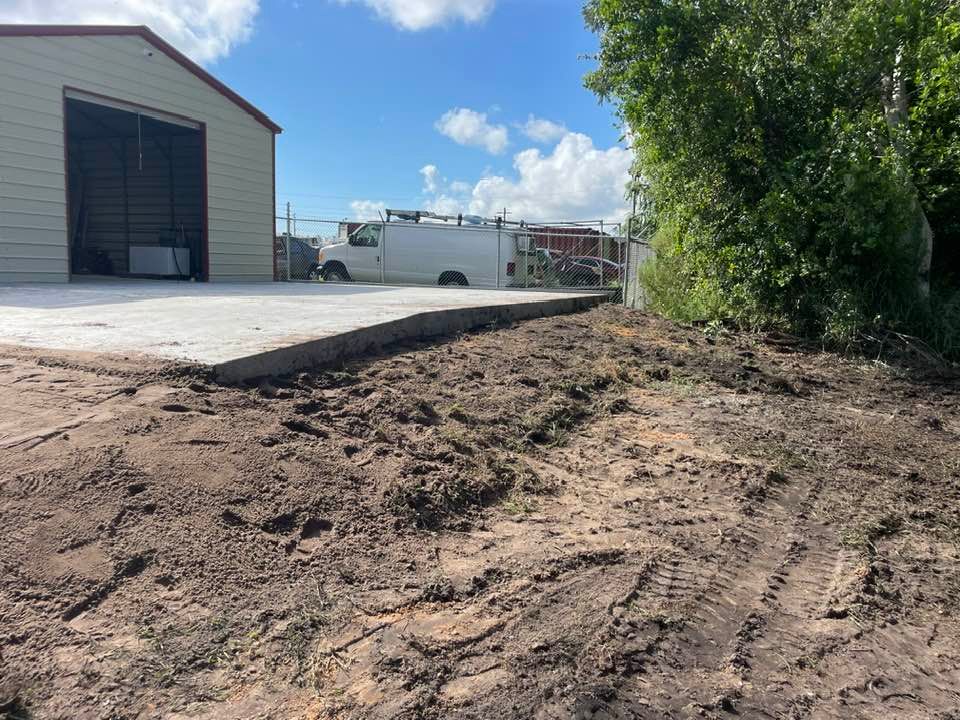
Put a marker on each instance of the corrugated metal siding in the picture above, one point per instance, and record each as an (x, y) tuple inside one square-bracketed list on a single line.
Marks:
[(116, 220), (33, 72)]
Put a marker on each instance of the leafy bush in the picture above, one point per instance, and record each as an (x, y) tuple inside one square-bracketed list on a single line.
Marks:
[(794, 151)]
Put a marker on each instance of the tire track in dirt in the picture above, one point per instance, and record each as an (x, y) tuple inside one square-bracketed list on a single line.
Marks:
[(797, 624), (812, 628), (703, 667)]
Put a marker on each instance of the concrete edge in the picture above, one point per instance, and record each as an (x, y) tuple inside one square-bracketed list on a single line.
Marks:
[(433, 323)]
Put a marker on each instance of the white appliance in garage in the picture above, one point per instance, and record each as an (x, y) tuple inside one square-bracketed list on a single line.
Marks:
[(158, 260)]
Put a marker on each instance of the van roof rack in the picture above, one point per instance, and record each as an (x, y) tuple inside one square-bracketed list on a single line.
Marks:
[(418, 215)]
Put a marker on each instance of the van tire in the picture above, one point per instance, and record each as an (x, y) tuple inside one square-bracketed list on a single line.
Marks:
[(452, 277), (335, 273)]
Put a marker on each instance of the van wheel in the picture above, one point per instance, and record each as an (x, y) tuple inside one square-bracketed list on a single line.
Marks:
[(336, 274), (453, 278)]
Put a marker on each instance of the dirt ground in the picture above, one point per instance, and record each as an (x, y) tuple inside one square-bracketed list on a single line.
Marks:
[(596, 516)]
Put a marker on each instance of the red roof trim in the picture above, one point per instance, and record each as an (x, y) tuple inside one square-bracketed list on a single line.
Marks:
[(151, 37)]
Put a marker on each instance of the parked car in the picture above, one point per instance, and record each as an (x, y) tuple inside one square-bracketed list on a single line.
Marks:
[(566, 272), (607, 269), (434, 253), (304, 260)]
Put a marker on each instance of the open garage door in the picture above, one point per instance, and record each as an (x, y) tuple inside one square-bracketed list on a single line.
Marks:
[(136, 191)]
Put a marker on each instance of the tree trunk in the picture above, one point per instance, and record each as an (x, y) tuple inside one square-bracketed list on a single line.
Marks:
[(920, 235)]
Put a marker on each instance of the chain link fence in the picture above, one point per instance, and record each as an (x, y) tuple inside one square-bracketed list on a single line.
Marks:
[(465, 252), (639, 250), (297, 245)]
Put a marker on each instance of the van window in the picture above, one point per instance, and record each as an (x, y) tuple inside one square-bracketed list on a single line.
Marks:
[(525, 243), (367, 236)]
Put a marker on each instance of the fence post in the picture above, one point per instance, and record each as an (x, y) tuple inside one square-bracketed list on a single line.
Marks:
[(499, 257), (526, 263), (625, 265), (286, 243), (629, 267)]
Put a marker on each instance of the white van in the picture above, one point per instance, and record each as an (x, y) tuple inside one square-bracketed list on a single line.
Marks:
[(433, 253)]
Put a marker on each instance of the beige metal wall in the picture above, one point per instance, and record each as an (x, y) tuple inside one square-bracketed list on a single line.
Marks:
[(33, 73)]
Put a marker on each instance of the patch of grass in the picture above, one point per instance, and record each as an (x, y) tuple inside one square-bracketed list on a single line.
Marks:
[(951, 465), (607, 371), (783, 458), (782, 461), (620, 331), (523, 483), (548, 425), (298, 638), (459, 438), (163, 663), (382, 432), (810, 660), (680, 385), (174, 652), (519, 504), (513, 473), (459, 413), (864, 535)]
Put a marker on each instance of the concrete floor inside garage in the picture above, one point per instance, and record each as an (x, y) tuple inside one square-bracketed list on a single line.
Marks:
[(247, 329)]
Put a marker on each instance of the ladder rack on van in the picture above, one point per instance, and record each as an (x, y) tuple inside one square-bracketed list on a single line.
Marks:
[(418, 215)]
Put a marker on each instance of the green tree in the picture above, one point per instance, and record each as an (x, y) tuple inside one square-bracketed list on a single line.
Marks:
[(803, 157)]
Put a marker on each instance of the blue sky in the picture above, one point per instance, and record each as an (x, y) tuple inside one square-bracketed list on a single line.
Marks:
[(406, 103)]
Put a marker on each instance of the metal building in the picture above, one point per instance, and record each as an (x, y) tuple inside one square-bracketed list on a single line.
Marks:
[(121, 156)]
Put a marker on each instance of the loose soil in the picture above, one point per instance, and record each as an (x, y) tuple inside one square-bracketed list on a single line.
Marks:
[(599, 516)]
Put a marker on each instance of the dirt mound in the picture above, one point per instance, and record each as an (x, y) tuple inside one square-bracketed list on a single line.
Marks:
[(593, 516)]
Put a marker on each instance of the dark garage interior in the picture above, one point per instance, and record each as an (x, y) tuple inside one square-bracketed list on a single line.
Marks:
[(135, 193)]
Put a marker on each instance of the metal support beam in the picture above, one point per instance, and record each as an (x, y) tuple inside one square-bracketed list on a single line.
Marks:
[(126, 200), (169, 154)]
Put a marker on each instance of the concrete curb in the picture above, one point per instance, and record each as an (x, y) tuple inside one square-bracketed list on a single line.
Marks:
[(333, 349)]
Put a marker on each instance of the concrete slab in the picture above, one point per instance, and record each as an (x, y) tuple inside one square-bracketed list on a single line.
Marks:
[(249, 329)]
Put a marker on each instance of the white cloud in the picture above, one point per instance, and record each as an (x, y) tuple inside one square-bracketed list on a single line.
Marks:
[(367, 209), (576, 181), (422, 14), (430, 177), (205, 30), (469, 127), (543, 131), (444, 205)]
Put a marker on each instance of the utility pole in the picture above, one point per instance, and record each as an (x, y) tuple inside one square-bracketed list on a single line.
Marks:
[(504, 216), (288, 218)]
